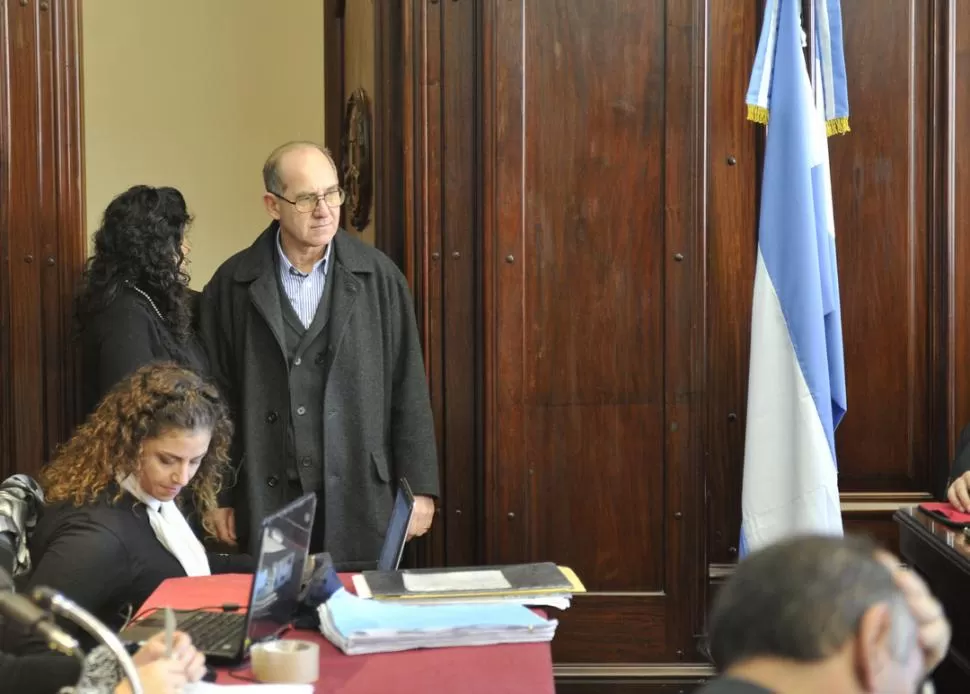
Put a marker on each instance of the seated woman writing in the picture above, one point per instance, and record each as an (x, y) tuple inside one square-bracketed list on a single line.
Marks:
[(113, 530)]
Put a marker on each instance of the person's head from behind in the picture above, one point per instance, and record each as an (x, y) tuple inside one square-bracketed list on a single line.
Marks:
[(303, 193), (824, 607), (141, 242), (164, 425)]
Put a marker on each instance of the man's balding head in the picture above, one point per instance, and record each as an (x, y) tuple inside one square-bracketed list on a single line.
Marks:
[(274, 179), (303, 194)]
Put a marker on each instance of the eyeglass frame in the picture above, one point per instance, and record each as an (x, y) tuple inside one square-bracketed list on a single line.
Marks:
[(316, 199)]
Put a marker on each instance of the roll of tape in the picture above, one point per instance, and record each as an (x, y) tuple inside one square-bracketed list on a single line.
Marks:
[(286, 661)]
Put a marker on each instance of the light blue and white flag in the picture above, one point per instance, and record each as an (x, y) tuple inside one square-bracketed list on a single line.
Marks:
[(829, 61), (796, 381)]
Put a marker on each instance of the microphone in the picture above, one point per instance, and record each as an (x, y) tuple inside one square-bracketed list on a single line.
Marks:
[(67, 608), (20, 609)]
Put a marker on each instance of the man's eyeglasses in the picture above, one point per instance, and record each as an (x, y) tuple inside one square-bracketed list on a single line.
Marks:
[(307, 203)]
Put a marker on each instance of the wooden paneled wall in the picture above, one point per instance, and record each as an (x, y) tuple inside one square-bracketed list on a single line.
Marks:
[(42, 241), (580, 225)]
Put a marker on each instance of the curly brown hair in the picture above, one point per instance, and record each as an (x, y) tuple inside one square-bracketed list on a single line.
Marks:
[(154, 399)]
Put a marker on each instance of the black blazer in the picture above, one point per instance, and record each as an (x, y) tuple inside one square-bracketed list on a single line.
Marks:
[(106, 558), (124, 336)]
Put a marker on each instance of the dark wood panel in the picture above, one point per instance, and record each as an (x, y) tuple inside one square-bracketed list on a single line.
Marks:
[(598, 472), (507, 484), (430, 246), (685, 89), (611, 628), (25, 182), (6, 287), (593, 259), (956, 160), (462, 255), (69, 242), (441, 244), (733, 169), (880, 196), (877, 525), (593, 225), (42, 241)]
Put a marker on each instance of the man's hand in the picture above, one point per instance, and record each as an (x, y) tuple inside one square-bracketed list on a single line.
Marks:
[(183, 652), (423, 515), (933, 626), (959, 493), (223, 520)]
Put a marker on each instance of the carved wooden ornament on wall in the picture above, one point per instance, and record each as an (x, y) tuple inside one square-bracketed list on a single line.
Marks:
[(358, 159)]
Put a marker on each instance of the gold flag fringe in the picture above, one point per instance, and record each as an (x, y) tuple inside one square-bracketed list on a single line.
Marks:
[(837, 126), (758, 114)]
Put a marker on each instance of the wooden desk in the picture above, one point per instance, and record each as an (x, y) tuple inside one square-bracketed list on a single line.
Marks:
[(942, 556)]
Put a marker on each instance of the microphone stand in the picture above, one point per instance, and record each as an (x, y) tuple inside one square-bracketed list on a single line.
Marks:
[(64, 607)]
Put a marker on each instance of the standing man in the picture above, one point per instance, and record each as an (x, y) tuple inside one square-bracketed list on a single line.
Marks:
[(313, 338)]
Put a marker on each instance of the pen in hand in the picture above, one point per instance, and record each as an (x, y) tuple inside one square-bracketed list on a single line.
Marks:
[(169, 631)]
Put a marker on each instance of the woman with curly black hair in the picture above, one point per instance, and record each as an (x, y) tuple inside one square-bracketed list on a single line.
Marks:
[(135, 306), (113, 529)]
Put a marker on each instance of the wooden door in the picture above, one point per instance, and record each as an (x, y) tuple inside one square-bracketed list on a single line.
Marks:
[(592, 118)]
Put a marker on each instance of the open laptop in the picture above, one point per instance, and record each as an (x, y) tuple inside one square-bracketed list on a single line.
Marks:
[(225, 637)]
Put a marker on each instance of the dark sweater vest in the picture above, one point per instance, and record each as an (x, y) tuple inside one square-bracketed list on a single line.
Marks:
[(305, 356)]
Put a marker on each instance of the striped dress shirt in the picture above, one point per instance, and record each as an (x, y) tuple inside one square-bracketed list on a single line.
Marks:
[(303, 290)]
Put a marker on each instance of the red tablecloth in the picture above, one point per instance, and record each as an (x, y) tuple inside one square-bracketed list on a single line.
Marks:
[(513, 668)]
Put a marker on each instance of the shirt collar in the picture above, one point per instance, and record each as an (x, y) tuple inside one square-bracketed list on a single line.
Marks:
[(131, 485), (288, 267)]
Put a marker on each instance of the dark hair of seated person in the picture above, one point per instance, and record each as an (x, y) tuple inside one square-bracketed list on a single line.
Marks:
[(799, 599), (94, 541)]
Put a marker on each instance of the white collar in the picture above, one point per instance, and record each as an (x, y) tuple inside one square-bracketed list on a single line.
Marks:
[(131, 485)]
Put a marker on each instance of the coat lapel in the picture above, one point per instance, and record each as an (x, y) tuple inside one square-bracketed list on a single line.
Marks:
[(265, 296), (346, 287), (258, 268)]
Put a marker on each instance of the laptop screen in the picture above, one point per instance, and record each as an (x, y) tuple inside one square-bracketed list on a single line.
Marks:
[(283, 552), (397, 529)]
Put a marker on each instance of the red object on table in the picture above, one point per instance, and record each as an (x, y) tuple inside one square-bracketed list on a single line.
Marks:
[(508, 668), (944, 510)]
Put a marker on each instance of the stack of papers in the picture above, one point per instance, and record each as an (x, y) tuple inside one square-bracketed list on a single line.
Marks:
[(357, 626), (539, 585), (559, 601)]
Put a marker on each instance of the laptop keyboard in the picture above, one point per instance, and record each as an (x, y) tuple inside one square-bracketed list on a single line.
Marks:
[(214, 632)]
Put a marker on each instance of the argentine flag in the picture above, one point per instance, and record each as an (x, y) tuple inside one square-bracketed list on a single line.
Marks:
[(796, 379)]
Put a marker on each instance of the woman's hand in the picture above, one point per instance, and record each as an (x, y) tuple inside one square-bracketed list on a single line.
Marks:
[(183, 652), (164, 676)]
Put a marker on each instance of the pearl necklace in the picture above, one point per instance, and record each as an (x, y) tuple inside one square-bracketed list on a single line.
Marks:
[(145, 294)]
